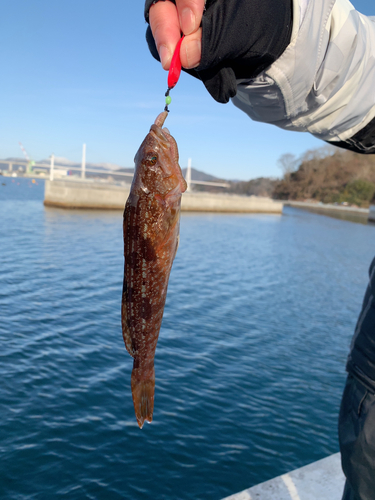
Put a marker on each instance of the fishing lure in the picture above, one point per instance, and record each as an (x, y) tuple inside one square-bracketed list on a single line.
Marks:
[(174, 73)]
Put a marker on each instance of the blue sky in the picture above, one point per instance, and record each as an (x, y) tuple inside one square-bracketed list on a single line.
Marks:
[(80, 71)]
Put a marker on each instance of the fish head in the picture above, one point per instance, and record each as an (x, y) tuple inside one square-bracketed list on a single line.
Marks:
[(156, 162)]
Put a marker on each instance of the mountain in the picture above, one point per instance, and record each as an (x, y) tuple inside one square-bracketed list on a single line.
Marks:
[(65, 162), (198, 175), (262, 186), (92, 166), (14, 159)]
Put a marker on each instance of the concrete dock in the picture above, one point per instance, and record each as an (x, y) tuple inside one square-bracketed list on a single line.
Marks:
[(338, 211), (85, 194), (229, 203), (104, 195), (321, 480)]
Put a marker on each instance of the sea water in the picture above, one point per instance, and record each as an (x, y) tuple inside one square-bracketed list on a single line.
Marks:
[(250, 363)]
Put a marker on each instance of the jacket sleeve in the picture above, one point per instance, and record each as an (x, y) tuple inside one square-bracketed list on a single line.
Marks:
[(324, 82)]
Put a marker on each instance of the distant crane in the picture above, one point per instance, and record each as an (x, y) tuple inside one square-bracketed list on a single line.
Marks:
[(30, 163)]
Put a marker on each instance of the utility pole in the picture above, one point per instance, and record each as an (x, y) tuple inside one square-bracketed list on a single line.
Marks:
[(83, 164), (51, 168)]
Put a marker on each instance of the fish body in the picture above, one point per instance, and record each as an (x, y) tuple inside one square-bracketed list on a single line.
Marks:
[(151, 234)]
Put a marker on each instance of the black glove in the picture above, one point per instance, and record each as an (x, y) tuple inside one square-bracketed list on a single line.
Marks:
[(240, 38)]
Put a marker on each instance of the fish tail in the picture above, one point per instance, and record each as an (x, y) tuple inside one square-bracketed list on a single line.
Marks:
[(143, 388)]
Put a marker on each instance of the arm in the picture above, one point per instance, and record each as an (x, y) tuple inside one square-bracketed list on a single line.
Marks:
[(237, 38), (316, 75), (324, 82)]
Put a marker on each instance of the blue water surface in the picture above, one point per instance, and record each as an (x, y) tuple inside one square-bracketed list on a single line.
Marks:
[(250, 363)]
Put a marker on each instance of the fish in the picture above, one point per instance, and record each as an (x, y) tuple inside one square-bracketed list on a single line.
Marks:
[(151, 228)]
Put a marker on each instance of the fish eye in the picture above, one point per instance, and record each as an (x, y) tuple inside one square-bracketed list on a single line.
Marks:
[(151, 160)]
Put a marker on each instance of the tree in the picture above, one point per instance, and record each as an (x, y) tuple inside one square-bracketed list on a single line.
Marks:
[(359, 192), (288, 163)]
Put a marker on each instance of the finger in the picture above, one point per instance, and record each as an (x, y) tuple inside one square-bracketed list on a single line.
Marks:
[(191, 51), (190, 15), (165, 27)]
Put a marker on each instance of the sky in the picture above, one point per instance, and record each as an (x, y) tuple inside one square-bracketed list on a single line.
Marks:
[(79, 71)]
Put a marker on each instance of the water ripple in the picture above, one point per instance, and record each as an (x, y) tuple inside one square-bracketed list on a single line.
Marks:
[(249, 365)]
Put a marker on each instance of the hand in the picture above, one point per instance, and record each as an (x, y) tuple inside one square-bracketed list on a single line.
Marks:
[(168, 20), (231, 40)]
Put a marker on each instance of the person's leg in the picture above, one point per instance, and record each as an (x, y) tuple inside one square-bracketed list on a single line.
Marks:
[(348, 492), (357, 440)]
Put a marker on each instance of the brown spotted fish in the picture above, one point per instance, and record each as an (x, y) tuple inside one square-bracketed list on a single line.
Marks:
[(151, 233)]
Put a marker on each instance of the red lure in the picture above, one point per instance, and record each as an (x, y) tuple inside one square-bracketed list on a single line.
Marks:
[(175, 68)]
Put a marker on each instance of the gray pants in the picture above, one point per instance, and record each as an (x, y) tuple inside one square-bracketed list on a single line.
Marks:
[(357, 440)]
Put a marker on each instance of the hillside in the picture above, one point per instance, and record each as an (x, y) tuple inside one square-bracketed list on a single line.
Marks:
[(336, 177), (262, 186), (198, 175)]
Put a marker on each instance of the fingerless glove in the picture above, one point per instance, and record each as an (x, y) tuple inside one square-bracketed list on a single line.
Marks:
[(240, 38)]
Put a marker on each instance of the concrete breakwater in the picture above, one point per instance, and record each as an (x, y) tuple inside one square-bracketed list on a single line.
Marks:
[(353, 214), (100, 195)]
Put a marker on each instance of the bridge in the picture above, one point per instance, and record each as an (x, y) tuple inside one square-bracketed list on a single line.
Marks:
[(53, 168)]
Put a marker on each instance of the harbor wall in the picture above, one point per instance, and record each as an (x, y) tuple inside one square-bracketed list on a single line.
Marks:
[(100, 195), (210, 202), (85, 194), (338, 211)]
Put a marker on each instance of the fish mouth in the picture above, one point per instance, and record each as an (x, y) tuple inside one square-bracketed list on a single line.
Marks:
[(175, 157), (168, 142), (160, 136), (172, 144), (164, 143)]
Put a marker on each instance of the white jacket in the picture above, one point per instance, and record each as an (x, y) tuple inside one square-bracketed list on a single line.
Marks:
[(324, 82)]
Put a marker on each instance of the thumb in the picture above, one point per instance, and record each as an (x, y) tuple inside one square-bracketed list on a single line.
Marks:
[(191, 50)]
